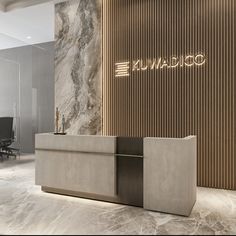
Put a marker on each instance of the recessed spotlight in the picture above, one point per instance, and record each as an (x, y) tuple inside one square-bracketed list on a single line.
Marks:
[(29, 37)]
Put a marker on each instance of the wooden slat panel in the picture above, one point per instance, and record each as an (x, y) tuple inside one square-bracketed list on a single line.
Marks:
[(176, 102)]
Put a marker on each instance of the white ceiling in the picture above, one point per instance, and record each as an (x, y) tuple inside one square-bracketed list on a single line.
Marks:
[(8, 5), (6, 2), (26, 22)]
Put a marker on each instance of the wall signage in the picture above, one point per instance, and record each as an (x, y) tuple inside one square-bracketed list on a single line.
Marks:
[(124, 69)]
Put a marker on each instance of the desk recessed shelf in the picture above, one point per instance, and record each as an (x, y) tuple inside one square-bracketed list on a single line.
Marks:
[(128, 155), (60, 133)]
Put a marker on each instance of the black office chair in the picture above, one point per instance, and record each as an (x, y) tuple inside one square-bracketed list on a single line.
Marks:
[(6, 137)]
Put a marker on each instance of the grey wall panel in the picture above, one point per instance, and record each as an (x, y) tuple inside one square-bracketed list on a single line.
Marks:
[(43, 85)]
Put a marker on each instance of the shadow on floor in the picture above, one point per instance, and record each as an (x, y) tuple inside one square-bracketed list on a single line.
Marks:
[(20, 160)]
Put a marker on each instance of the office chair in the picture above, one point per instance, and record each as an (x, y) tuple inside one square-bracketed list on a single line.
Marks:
[(6, 137)]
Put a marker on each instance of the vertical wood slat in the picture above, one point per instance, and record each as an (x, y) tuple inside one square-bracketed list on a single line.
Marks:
[(182, 101)]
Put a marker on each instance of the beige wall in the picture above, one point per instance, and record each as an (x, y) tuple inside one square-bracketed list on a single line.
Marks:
[(180, 101)]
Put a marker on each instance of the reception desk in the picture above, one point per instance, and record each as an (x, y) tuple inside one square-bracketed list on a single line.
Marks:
[(158, 174)]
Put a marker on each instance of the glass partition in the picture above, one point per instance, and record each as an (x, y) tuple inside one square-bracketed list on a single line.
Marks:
[(27, 72), (10, 95), (27, 89)]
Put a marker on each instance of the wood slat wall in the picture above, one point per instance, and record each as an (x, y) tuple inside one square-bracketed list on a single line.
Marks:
[(181, 101)]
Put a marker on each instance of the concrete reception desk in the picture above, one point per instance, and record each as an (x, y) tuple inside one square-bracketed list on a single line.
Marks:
[(158, 174)]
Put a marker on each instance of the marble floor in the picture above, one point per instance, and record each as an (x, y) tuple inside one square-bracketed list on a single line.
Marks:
[(24, 209)]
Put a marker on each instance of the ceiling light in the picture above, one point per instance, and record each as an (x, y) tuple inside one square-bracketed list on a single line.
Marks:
[(29, 37)]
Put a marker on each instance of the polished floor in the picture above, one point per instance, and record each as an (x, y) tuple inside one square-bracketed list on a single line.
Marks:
[(24, 209)]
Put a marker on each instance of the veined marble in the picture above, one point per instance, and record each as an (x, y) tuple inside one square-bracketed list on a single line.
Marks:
[(78, 63), (25, 209)]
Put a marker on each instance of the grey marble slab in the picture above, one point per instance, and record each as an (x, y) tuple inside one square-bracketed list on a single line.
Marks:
[(25, 209), (78, 65)]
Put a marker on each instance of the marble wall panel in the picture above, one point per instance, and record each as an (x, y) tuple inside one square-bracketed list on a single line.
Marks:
[(78, 63)]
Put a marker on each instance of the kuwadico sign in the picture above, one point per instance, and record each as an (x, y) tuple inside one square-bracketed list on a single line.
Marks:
[(124, 69)]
